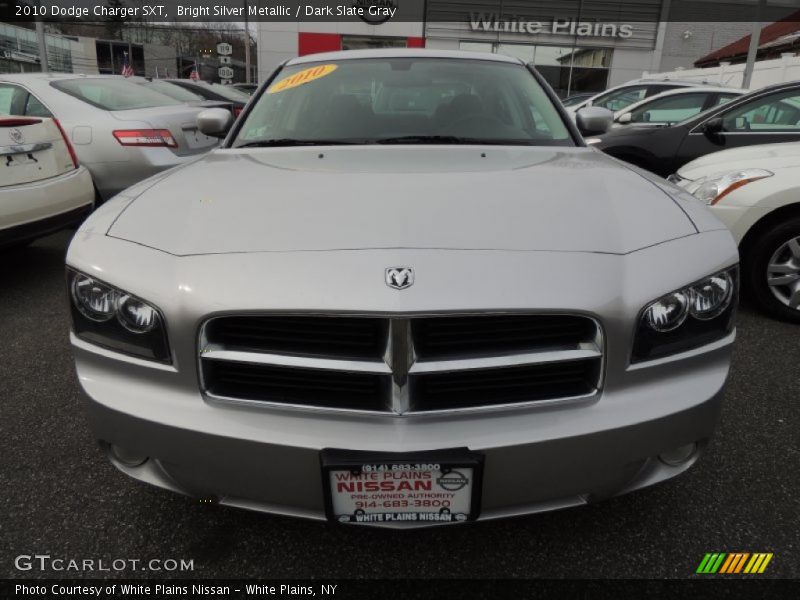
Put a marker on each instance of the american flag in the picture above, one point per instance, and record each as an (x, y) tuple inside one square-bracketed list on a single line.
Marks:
[(127, 70), (194, 75)]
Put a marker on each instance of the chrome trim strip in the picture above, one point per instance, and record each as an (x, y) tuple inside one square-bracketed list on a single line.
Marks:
[(310, 408), (24, 148), (302, 362), (495, 362)]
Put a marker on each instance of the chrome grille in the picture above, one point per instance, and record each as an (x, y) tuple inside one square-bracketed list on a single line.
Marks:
[(425, 364)]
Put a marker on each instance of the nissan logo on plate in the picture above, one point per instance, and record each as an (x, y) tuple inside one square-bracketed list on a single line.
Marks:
[(399, 278)]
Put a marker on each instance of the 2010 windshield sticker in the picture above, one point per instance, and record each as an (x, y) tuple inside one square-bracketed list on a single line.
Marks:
[(301, 77)]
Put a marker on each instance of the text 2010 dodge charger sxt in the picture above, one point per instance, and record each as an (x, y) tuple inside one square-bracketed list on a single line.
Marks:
[(402, 292)]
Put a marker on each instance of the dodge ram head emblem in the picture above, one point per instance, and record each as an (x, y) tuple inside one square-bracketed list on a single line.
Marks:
[(399, 278)]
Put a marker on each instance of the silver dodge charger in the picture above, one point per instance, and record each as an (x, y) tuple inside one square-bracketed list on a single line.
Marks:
[(403, 292)]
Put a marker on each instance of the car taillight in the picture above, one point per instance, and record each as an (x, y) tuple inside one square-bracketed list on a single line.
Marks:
[(21, 122), (71, 150), (145, 137), (237, 110)]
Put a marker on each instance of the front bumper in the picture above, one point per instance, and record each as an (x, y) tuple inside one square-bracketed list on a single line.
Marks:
[(535, 459)]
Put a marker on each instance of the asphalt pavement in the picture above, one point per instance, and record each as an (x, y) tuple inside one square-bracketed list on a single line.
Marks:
[(61, 497)]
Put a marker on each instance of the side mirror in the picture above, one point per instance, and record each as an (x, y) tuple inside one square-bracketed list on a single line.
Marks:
[(215, 122), (594, 120), (713, 126), (625, 118)]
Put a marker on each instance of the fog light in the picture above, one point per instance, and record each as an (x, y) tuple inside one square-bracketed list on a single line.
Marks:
[(129, 458), (678, 456)]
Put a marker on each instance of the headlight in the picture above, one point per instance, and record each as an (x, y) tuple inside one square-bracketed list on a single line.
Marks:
[(710, 297), (715, 187), (694, 316), (110, 317), (667, 313), (96, 301)]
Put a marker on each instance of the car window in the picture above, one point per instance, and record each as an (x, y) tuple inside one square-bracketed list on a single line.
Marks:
[(34, 108), (229, 93), (380, 99), (618, 99), (113, 94), (670, 109), (173, 91), (12, 100), (725, 98), (775, 112), (660, 89)]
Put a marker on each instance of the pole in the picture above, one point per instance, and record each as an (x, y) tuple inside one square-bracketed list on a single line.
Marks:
[(40, 40), (755, 40), (246, 45)]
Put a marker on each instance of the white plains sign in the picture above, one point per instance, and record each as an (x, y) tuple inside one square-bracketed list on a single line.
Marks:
[(492, 23)]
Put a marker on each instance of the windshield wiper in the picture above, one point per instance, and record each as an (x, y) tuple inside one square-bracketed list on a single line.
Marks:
[(292, 142), (452, 139), (422, 139)]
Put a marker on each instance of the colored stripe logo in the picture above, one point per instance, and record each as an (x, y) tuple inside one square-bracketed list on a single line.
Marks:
[(732, 563)]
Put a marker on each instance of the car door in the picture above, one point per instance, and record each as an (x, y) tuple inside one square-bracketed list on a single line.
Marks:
[(766, 119)]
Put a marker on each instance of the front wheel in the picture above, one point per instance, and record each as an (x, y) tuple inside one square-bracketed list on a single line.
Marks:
[(771, 269)]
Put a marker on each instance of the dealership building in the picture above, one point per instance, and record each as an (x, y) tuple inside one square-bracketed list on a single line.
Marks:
[(587, 46)]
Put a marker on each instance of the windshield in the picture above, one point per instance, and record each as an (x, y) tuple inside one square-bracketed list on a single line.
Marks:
[(404, 100), (113, 94), (174, 91)]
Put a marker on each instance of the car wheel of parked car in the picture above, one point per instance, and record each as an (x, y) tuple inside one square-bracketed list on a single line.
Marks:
[(772, 270)]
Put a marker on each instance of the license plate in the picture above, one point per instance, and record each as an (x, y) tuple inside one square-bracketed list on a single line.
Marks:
[(19, 160), (418, 488)]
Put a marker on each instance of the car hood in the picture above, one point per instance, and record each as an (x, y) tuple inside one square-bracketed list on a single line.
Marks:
[(768, 156), (370, 197)]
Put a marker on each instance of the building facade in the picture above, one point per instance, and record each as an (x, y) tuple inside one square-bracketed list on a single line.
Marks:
[(19, 53), (585, 49)]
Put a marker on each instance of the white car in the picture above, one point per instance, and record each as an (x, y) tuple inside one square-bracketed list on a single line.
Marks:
[(755, 191), (674, 106), (42, 186), (621, 96)]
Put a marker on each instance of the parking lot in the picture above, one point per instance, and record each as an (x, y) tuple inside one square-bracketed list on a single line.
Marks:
[(61, 496)]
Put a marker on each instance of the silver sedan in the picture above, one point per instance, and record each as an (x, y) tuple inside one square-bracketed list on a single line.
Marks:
[(403, 292), (122, 132)]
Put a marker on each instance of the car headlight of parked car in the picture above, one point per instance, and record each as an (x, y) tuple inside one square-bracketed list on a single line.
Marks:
[(715, 187), (113, 318), (693, 316)]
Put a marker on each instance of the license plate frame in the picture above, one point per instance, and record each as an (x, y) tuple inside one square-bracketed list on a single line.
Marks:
[(449, 460)]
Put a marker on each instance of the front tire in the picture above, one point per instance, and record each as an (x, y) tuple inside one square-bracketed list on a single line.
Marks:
[(771, 270)]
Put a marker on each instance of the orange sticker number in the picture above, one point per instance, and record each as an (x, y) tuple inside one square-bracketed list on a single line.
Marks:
[(301, 77)]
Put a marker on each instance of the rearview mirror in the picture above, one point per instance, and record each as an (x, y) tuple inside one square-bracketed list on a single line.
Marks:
[(215, 122), (625, 118), (594, 120)]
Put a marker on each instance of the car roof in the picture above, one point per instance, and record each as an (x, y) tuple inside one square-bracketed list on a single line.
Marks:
[(21, 77), (401, 53)]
